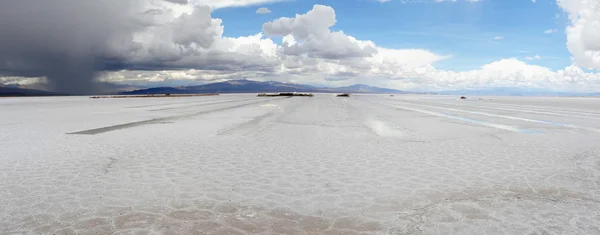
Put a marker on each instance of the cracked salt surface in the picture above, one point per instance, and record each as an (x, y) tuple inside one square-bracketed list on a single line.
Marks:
[(237, 164)]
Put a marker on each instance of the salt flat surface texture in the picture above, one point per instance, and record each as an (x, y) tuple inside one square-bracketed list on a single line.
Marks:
[(239, 164)]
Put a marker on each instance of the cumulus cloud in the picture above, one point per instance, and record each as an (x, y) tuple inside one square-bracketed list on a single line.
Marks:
[(310, 47), (583, 33), (316, 23), (21, 80), (263, 10), (550, 31), (398, 64), (175, 77), (502, 73), (317, 40)]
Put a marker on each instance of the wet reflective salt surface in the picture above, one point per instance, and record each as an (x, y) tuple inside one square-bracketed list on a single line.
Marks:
[(237, 164)]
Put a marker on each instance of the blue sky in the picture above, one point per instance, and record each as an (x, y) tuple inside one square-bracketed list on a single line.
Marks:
[(464, 30)]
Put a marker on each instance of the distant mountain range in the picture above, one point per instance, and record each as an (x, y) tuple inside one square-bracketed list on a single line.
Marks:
[(38, 90), (16, 91), (249, 86)]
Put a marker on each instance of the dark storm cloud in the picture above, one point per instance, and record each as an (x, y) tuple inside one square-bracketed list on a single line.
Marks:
[(72, 42), (61, 39)]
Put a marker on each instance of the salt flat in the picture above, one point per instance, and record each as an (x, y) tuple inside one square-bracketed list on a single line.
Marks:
[(239, 164)]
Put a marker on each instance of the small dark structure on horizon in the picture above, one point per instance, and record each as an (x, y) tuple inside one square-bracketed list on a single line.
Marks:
[(463, 98), (343, 95), (288, 94)]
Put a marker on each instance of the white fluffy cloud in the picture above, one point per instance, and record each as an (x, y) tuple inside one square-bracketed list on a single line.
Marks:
[(312, 30), (583, 34), (503, 73), (263, 10), (189, 38), (20, 80), (309, 47)]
